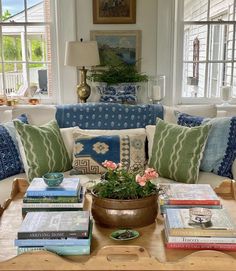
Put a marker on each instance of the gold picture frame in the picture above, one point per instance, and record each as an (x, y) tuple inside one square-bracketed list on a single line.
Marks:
[(118, 46), (114, 11)]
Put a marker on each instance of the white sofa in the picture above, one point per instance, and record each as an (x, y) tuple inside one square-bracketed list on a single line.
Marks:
[(40, 114)]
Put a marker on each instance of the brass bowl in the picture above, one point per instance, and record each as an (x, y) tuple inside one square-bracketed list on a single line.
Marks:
[(124, 213)]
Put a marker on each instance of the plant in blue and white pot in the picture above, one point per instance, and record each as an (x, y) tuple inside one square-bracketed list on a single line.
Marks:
[(118, 83)]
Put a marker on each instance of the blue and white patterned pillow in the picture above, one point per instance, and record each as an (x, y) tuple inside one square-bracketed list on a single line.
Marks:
[(91, 151), (10, 160), (220, 150)]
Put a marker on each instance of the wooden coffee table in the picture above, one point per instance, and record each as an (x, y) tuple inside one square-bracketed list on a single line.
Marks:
[(144, 253)]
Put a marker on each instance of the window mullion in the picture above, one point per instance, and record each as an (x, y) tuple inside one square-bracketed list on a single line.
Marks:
[(1, 45), (233, 47), (206, 90)]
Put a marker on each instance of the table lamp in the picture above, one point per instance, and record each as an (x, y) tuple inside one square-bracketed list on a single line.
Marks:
[(82, 54)]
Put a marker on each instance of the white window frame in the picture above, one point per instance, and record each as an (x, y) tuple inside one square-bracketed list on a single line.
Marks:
[(54, 50), (178, 67)]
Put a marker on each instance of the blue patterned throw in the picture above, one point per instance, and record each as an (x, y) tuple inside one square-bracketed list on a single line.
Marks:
[(10, 161), (220, 150), (108, 116)]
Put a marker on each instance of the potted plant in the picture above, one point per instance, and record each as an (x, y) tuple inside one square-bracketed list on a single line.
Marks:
[(118, 82), (125, 198)]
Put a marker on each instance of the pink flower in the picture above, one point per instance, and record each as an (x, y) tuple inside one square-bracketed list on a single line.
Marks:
[(150, 173), (109, 165), (141, 180)]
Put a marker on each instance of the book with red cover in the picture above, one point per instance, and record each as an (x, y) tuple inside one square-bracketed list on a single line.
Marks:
[(187, 194), (198, 246)]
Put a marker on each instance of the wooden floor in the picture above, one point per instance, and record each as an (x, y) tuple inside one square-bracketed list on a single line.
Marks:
[(144, 253)]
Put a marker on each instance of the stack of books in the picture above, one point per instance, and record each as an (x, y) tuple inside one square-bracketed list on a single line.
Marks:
[(183, 233), (187, 195), (68, 196), (64, 233)]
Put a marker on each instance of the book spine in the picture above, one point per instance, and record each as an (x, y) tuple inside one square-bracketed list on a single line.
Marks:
[(52, 205), (27, 210), (229, 247), (53, 234), (193, 240), (52, 242), (199, 232), (51, 193), (193, 202), (51, 200), (164, 207), (60, 250)]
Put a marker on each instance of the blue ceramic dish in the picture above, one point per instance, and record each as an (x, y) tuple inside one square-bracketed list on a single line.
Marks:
[(53, 178)]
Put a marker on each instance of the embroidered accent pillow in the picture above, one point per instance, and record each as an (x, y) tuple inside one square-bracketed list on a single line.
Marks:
[(91, 151), (10, 160), (44, 149), (220, 151), (177, 151)]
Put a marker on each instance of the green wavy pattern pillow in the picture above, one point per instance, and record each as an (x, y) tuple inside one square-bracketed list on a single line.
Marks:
[(44, 149), (177, 151)]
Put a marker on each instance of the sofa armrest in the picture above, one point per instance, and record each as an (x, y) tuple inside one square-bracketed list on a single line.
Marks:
[(6, 116)]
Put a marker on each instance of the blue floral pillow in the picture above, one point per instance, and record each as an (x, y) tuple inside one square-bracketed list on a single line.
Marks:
[(10, 160), (220, 150)]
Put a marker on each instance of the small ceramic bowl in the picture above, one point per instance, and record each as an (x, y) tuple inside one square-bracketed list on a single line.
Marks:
[(53, 178)]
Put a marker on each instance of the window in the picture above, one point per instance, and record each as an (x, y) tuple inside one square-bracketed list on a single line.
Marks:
[(25, 48), (209, 59)]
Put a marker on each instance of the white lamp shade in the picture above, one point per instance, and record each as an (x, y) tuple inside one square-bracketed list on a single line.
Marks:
[(81, 54)]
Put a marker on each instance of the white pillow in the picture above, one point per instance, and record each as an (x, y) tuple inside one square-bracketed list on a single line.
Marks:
[(150, 131)]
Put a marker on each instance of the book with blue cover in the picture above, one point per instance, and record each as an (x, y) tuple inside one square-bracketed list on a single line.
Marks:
[(60, 250), (46, 225), (38, 188)]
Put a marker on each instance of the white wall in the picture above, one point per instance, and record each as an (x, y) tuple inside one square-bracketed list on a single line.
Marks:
[(146, 21)]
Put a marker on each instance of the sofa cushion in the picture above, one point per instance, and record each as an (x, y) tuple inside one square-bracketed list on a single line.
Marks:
[(10, 161), (220, 151), (177, 151), (43, 149), (204, 110), (37, 114), (91, 151)]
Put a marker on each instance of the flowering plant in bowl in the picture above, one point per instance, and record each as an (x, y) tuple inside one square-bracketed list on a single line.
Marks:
[(123, 184)]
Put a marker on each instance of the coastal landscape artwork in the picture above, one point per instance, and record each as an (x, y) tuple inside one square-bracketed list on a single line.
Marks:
[(118, 46)]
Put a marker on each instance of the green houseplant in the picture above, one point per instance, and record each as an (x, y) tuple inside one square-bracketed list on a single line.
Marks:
[(118, 73), (125, 198), (118, 82)]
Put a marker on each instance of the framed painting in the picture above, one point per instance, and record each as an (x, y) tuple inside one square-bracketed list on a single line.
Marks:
[(118, 46), (114, 11)]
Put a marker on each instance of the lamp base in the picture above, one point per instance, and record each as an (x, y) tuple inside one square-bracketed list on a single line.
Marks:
[(83, 90)]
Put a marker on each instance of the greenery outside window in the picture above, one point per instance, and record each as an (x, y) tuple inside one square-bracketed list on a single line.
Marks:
[(25, 48)]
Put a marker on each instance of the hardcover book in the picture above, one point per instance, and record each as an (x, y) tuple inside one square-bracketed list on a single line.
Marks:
[(198, 239), (229, 247), (38, 188), (187, 194), (179, 223), (56, 199), (46, 225), (60, 250), (56, 243)]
